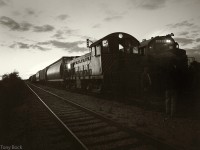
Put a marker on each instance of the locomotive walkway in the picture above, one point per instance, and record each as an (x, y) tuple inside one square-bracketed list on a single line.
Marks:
[(93, 130)]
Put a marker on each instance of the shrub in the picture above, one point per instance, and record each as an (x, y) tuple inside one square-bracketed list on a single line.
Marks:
[(13, 88)]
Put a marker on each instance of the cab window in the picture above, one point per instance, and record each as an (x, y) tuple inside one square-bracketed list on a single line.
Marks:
[(105, 46), (127, 46), (98, 50), (121, 48), (135, 50), (142, 51), (93, 51)]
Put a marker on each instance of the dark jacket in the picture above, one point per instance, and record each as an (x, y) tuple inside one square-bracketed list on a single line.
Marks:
[(172, 78)]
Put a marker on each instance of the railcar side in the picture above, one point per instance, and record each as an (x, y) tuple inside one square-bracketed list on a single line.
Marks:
[(55, 73), (33, 78), (37, 75), (42, 75)]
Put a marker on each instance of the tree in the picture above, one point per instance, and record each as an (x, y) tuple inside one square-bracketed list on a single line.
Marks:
[(13, 89)]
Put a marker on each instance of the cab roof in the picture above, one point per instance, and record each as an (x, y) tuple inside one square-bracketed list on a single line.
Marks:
[(112, 35)]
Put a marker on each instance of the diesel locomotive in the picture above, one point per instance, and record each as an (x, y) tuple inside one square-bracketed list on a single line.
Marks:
[(115, 63), (160, 52)]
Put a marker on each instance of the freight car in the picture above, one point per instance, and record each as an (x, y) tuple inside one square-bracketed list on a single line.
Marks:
[(32, 78), (37, 75), (55, 72), (42, 75)]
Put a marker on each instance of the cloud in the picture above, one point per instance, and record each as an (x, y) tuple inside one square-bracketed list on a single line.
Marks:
[(44, 43), (184, 33), (198, 40), (39, 47), (88, 37), (61, 33), (16, 13), (20, 45), (62, 17), (116, 17), (197, 47), (96, 26), (194, 52), (10, 23), (151, 4), (184, 41), (13, 46), (23, 45), (69, 46), (44, 28), (70, 31), (24, 26), (30, 12), (27, 46), (2, 3), (195, 35), (181, 24)]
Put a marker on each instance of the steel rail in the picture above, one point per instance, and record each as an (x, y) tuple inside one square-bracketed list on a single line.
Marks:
[(63, 124), (120, 126)]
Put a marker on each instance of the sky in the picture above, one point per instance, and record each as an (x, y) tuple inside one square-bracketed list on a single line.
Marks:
[(35, 33)]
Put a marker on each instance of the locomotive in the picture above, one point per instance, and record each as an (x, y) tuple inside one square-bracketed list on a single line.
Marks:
[(160, 52), (115, 64)]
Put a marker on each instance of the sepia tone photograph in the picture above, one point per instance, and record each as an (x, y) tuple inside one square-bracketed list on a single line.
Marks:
[(99, 75)]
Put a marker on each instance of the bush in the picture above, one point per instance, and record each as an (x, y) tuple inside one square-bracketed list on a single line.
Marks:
[(12, 90), (12, 94)]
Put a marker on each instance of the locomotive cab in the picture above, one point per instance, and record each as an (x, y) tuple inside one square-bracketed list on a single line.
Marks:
[(112, 56), (113, 46)]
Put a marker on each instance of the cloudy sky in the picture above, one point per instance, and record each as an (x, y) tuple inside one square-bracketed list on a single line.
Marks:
[(35, 33)]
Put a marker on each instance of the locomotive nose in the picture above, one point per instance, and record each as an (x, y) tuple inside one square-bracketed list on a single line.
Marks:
[(165, 58)]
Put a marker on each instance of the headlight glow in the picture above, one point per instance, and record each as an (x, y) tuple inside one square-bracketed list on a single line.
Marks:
[(168, 41), (68, 66)]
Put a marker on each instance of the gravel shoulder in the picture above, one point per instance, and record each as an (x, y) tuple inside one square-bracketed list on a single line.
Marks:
[(181, 131)]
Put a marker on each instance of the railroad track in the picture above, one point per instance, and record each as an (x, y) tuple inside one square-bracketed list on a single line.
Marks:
[(92, 130)]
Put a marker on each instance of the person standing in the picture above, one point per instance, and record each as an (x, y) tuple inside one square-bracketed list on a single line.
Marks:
[(146, 85), (172, 84)]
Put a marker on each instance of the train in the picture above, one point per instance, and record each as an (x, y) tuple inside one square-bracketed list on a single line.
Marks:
[(115, 64)]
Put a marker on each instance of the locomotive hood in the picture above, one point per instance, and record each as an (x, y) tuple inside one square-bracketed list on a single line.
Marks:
[(164, 58)]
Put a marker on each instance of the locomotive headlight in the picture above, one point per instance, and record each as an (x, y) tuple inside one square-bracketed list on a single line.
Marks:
[(68, 66), (168, 41)]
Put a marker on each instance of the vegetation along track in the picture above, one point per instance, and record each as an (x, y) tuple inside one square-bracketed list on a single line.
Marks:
[(92, 130)]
